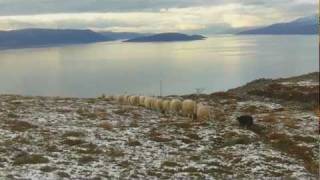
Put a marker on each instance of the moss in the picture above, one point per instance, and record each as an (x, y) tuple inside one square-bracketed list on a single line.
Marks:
[(238, 140), (115, 152), (184, 125), (12, 115), (124, 164), (47, 169), (193, 136), (190, 169), (195, 158), (186, 140), (30, 159), (160, 139), (73, 134), (306, 139), (85, 160), (133, 142), (170, 164), (17, 125), (52, 148), (73, 141), (63, 174)]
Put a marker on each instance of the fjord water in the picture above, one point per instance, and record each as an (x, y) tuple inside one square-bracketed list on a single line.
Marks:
[(215, 64)]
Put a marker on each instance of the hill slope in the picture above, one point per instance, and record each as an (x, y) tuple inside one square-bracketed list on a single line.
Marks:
[(46, 37), (305, 25), (167, 37), (122, 35)]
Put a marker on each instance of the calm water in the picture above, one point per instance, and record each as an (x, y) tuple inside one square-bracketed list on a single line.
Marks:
[(218, 63)]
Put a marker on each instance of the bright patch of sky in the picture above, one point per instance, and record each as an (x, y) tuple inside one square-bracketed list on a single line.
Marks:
[(150, 15)]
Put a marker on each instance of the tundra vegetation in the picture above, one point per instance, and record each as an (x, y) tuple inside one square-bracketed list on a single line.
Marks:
[(130, 138)]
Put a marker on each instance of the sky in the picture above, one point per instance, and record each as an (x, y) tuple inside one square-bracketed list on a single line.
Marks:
[(150, 15)]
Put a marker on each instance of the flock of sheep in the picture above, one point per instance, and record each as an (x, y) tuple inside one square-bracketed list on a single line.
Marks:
[(187, 108)]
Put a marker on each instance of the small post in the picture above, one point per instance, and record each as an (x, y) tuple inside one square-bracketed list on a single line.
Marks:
[(160, 88)]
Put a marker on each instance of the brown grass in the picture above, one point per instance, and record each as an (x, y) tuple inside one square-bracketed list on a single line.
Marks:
[(86, 113), (286, 144), (291, 123), (270, 118), (106, 125), (158, 137)]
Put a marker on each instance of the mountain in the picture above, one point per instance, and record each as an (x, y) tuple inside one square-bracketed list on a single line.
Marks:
[(305, 25), (167, 37), (123, 35), (25, 38)]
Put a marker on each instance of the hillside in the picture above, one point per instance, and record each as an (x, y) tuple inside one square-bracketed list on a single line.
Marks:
[(167, 37), (305, 25), (122, 35), (47, 37), (99, 138)]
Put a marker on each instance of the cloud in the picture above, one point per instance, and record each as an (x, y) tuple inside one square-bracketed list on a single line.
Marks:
[(149, 15)]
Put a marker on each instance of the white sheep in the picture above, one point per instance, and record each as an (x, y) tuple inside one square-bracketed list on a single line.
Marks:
[(203, 112), (189, 108), (116, 98), (166, 106), (158, 105), (148, 102), (127, 99), (121, 99), (134, 100), (153, 103), (141, 100), (175, 106)]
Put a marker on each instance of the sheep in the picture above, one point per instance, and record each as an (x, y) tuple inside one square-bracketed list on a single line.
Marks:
[(245, 121), (158, 105), (189, 108), (113, 98), (116, 98), (147, 102), (126, 99), (134, 100), (153, 104), (203, 112), (166, 106), (175, 106), (141, 100), (121, 99)]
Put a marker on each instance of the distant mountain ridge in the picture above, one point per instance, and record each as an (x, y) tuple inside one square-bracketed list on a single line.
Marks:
[(304, 25), (167, 37), (46, 37)]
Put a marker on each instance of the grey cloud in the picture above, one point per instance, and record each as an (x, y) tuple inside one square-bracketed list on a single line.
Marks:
[(16, 7)]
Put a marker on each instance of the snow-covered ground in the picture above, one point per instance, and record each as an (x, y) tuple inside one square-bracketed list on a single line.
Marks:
[(71, 138)]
